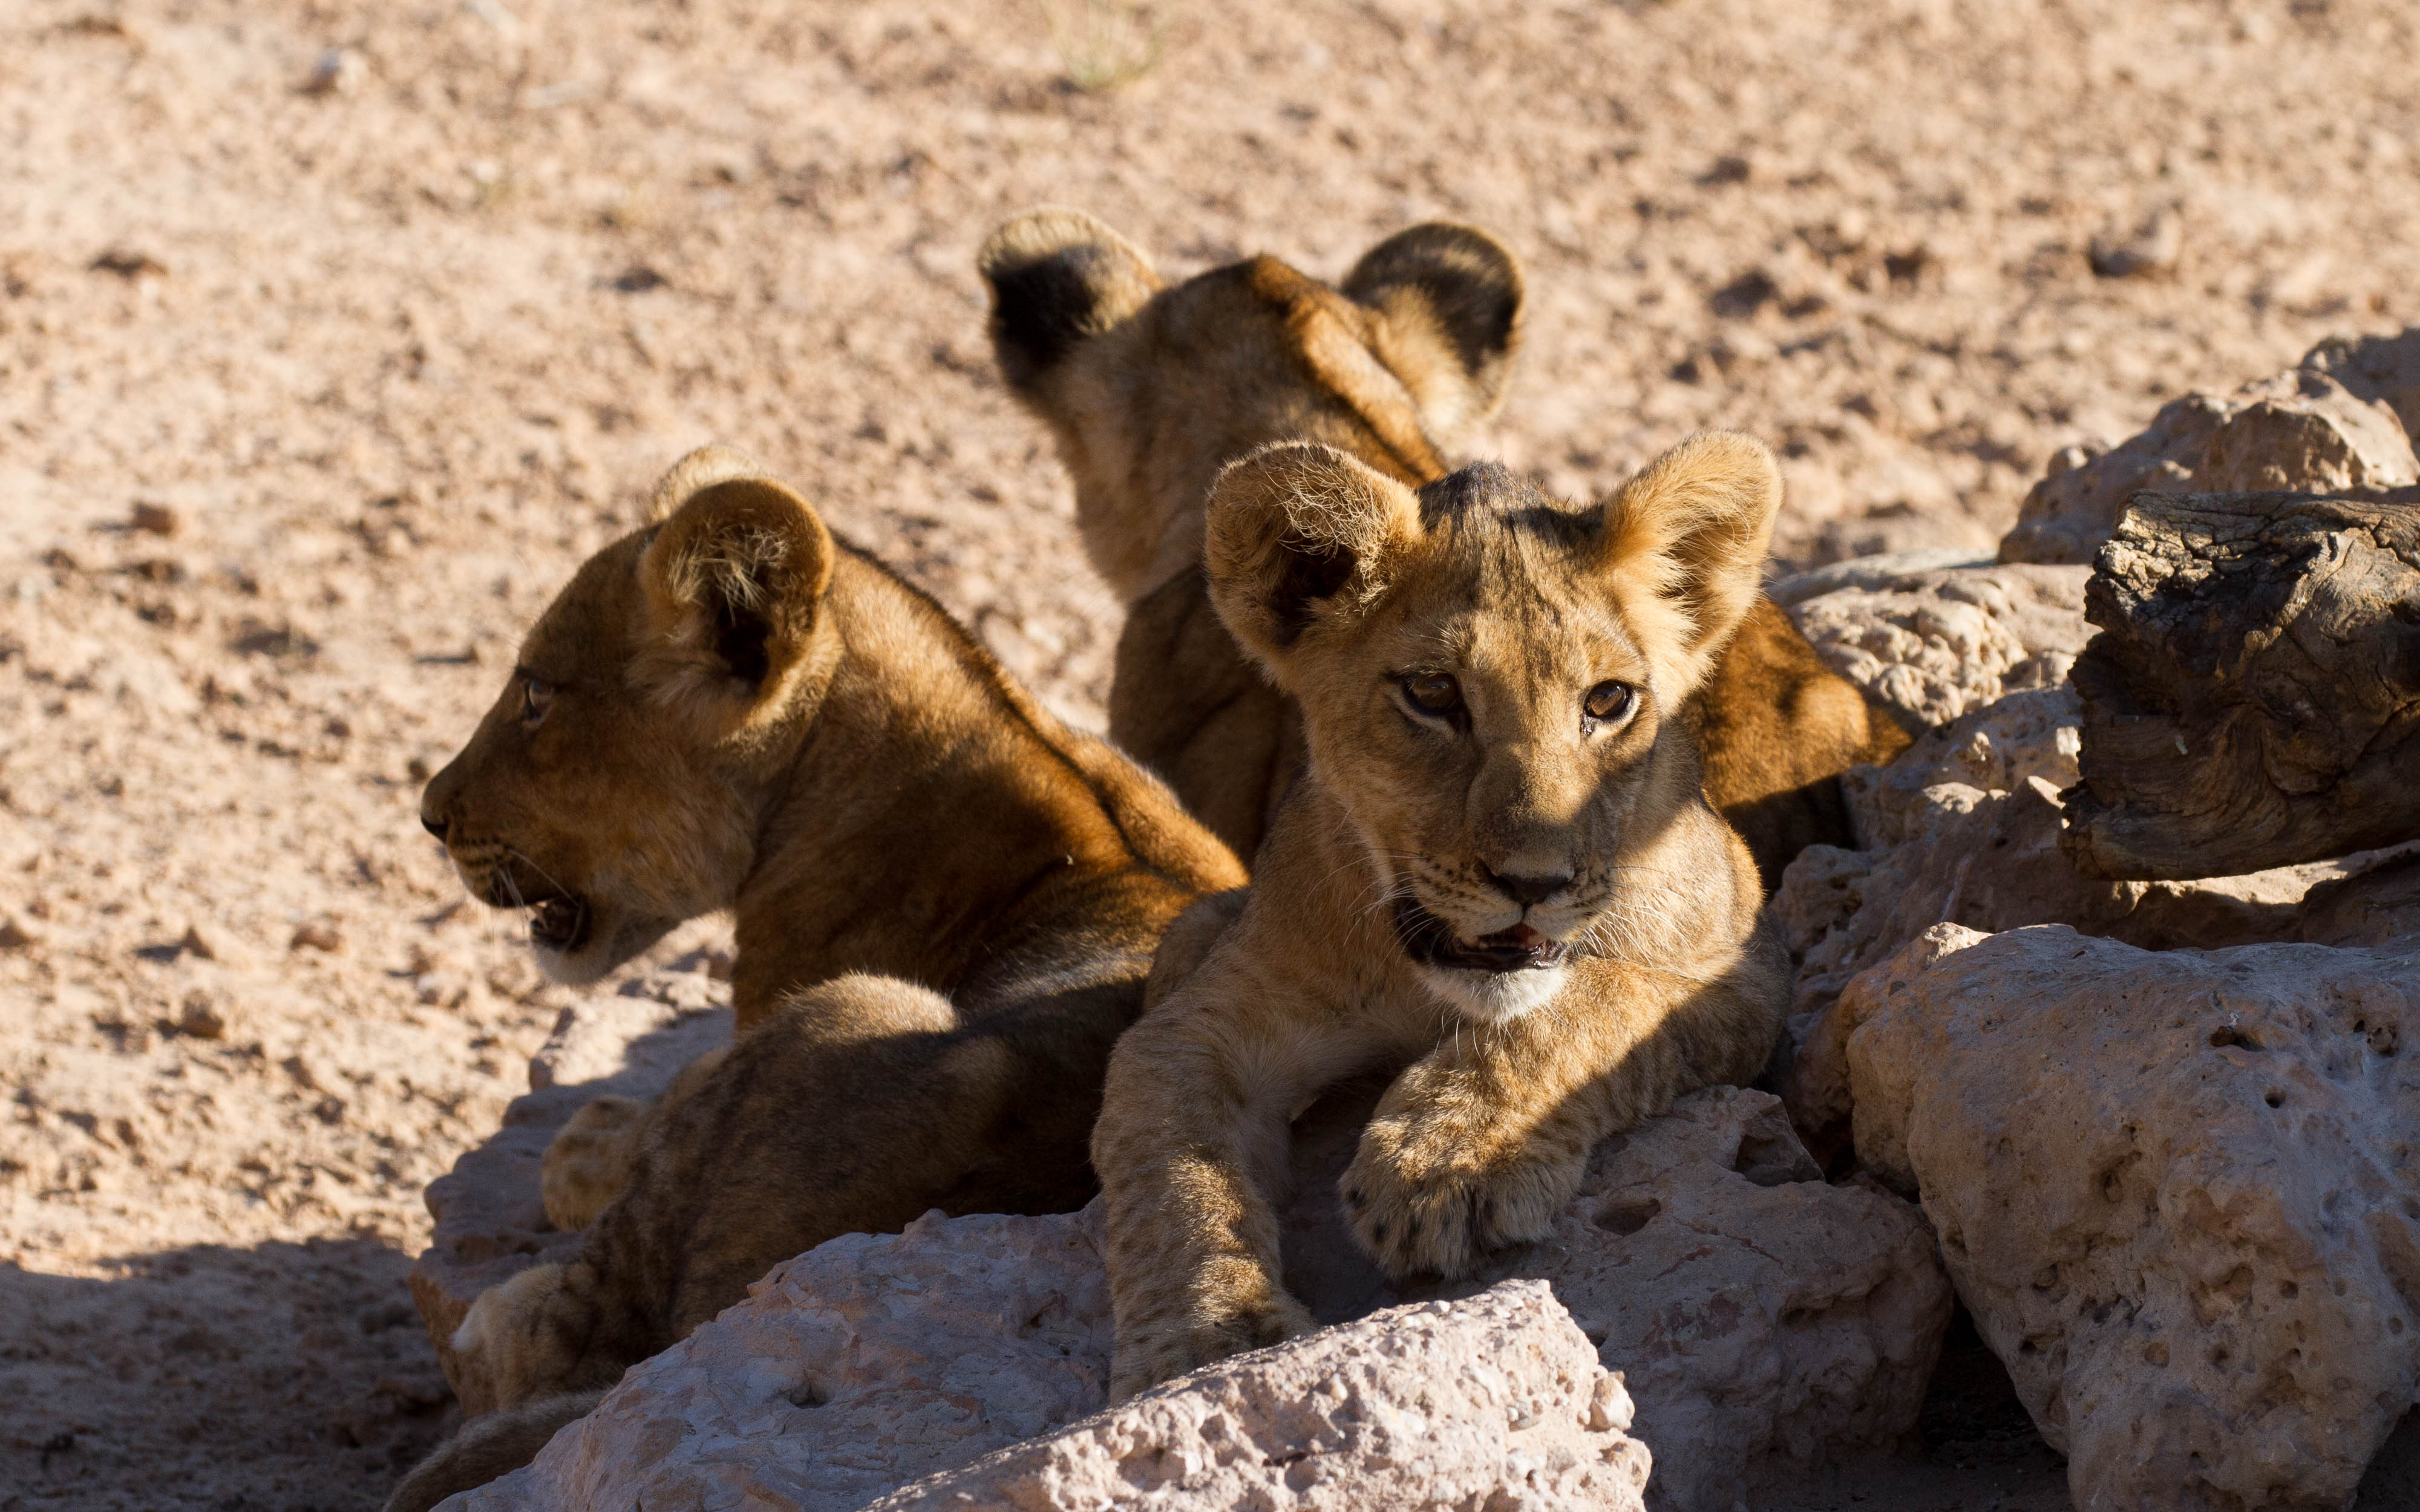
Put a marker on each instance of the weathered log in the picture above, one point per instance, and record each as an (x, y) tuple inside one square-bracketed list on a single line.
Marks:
[(2253, 697)]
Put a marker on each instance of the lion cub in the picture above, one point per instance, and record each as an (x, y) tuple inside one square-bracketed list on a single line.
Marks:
[(1498, 870), (945, 900), (1150, 388)]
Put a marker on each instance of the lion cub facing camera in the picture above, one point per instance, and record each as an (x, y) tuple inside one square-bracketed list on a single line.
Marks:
[(1498, 870)]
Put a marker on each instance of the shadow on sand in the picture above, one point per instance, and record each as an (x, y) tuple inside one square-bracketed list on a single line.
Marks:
[(276, 1378)]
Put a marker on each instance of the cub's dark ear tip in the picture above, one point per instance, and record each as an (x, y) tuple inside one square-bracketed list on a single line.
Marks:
[(1471, 281), (1042, 307), (1057, 276)]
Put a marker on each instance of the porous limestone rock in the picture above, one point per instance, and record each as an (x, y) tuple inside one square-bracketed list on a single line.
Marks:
[(1816, 1088), (1935, 644), (1993, 749), (1495, 1401), (1991, 861), (2375, 902), (2326, 427), (868, 1361), (2176, 1191), (2383, 369), (490, 1222), (1765, 1321)]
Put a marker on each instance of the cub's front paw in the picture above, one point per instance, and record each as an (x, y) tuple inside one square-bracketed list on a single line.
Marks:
[(588, 1162), (1425, 1194), (1156, 1352)]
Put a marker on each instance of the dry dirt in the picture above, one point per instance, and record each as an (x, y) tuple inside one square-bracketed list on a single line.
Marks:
[(393, 351)]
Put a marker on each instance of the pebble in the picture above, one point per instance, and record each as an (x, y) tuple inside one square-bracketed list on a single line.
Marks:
[(158, 519)]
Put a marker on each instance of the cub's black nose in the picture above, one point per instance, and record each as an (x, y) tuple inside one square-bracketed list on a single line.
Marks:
[(1528, 891)]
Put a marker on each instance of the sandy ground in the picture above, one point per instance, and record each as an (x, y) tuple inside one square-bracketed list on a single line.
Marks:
[(395, 354)]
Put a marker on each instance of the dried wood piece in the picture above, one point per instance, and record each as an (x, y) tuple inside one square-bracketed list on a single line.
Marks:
[(2253, 697)]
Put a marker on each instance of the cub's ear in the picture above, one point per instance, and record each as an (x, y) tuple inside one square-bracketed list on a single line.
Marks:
[(734, 581), (1449, 299), (1057, 277), (1299, 536), (1684, 542)]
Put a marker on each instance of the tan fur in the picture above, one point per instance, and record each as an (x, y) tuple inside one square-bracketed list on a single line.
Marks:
[(1533, 915), (1150, 390), (589, 1161), (944, 901)]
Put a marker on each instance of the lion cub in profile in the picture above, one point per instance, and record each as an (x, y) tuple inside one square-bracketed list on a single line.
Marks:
[(1498, 870), (945, 902)]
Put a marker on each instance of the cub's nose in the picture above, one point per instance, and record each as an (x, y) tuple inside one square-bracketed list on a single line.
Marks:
[(1528, 891), (435, 826)]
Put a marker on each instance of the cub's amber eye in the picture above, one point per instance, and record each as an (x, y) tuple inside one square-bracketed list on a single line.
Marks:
[(1609, 700), (535, 698), (1434, 692)]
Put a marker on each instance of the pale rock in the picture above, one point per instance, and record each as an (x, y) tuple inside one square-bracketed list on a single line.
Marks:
[(2151, 250), (2323, 428), (154, 518), (1816, 1086), (2306, 433), (340, 70), (2175, 1190), (1765, 1321), (1495, 1401), (2067, 515), (489, 1221), (205, 1014), (1933, 644), (2375, 901), (1993, 748), (868, 1361), (1991, 861), (2381, 369)]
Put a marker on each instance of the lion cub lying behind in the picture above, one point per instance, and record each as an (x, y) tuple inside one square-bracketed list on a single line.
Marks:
[(946, 904), (1150, 388), (1499, 869)]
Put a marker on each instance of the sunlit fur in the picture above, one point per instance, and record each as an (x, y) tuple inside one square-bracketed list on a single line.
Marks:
[(1650, 970), (944, 903), (1150, 388)]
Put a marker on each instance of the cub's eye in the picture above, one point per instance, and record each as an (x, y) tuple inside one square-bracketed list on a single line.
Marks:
[(1433, 692), (1609, 700), (535, 698)]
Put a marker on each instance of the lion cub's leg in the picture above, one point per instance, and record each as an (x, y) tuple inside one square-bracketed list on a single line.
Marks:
[(1478, 1144), (1191, 1146), (1188, 941), (862, 1103), (589, 1159)]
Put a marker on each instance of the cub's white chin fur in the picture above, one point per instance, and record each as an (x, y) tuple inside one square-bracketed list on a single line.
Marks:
[(1495, 996), (611, 942), (583, 969)]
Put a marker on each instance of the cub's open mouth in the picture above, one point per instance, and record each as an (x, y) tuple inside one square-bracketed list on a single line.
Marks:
[(560, 924), (1430, 941)]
